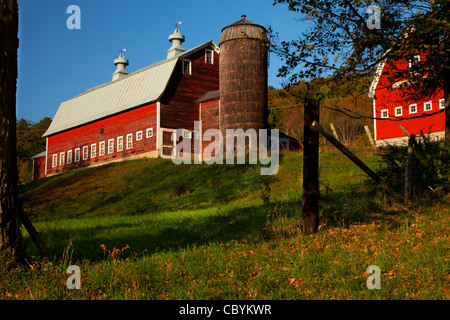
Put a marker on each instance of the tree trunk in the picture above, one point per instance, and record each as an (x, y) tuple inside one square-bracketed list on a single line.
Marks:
[(10, 237), (310, 169)]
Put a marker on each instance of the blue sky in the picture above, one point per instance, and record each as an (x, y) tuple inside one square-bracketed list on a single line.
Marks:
[(56, 63)]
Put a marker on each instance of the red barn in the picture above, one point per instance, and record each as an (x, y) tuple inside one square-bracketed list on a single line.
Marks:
[(388, 103), (135, 114)]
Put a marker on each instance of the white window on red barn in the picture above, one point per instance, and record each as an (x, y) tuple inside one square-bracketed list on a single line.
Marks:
[(384, 113), (55, 161), (149, 133), (138, 135), (93, 150), (85, 152), (398, 111), (129, 141), (62, 157), (209, 56), (110, 146), (441, 103), (119, 144), (69, 157), (413, 108), (77, 154), (101, 148), (187, 67), (428, 106)]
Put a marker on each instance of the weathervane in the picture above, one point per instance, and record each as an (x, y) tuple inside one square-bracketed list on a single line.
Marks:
[(177, 24), (122, 50)]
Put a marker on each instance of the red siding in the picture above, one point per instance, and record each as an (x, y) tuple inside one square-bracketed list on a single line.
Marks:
[(179, 108), (113, 127), (210, 118), (391, 98)]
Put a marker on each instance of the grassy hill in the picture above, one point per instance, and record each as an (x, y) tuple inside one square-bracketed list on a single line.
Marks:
[(148, 229)]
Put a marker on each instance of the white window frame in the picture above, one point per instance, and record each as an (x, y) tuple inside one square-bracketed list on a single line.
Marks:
[(186, 134), (62, 157), (85, 153), (101, 149), (442, 103), (149, 133), (189, 63), (398, 111), (77, 155), (387, 113), (129, 141), (119, 144), (412, 105), (211, 53), (55, 160), (93, 150), (110, 146), (415, 60), (139, 135), (69, 157), (425, 106)]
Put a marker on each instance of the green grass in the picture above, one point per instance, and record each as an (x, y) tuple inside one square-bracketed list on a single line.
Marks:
[(148, 229)]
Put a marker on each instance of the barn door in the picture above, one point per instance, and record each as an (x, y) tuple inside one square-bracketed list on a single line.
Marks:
[(167, 143)]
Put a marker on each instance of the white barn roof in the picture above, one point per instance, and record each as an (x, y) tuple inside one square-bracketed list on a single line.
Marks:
[(140, 87)]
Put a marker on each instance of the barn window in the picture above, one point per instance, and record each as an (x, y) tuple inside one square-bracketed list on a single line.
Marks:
[(385, 113), (62, 156), (110, 146), (55, 161), (186, 134), (119, 143), (415, 60), (442, 103), (398, 111), (93, 150), (427, 106), (69, 157), (209, 56), (187, 67), (101, 148), (413, 108), (77, 154), (129, 141), (138, 135), (149, 132), (85, 152)]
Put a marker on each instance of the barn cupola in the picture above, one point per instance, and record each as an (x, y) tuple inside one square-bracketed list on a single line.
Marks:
[(121, 70), (177, 39)]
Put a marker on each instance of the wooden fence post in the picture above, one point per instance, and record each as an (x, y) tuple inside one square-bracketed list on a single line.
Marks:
[(372, 142), (407, 191), (310, 168)]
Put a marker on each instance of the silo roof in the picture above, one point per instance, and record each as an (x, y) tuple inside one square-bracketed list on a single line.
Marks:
[(144, 86), (248, 30)]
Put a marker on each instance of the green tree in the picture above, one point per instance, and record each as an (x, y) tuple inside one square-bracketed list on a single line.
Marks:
[(340, 40)]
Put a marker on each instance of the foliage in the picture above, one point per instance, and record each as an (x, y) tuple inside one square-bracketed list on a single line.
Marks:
[(430, 167), (29, 143)]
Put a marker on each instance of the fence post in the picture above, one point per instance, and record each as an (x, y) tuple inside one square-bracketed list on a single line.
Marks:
[(310, 168), (374, 147), (407, 191)]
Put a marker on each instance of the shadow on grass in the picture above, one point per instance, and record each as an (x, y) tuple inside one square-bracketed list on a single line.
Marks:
[(223, 226)]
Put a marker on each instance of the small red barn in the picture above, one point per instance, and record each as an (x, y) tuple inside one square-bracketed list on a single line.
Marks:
[(388, 104)]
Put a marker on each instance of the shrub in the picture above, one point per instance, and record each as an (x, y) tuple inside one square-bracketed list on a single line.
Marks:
[(430, 167)]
